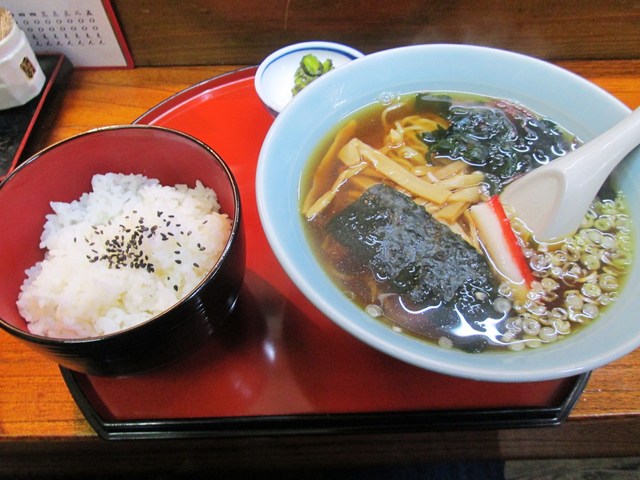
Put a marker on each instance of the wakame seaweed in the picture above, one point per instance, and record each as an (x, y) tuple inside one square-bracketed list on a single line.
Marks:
[(500, 139), (416, 255), (437, 103)]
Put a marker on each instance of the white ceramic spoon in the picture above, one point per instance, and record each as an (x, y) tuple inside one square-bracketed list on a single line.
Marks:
[(552, 200)]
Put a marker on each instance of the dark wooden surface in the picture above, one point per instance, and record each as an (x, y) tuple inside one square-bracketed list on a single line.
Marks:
[(90, 455), (42, 430), (216, 32)]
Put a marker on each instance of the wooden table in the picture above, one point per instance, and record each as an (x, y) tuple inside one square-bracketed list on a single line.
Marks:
[(41, 429)]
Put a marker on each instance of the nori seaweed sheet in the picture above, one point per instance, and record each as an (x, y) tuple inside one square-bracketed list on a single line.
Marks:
[(416, 255), (405, 245)]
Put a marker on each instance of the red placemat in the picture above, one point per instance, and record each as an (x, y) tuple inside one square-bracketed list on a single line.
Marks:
[(279, 365)]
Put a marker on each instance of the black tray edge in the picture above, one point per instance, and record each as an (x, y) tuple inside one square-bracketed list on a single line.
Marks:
[(54, 92), (47, 104), (325, 424)]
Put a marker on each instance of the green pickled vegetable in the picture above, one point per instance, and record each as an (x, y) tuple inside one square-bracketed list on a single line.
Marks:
[(309, 69)]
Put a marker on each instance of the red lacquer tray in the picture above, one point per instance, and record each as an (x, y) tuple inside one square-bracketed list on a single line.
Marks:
[(279, 366)]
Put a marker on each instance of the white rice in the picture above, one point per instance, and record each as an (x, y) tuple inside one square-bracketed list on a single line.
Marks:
[(120, 255)]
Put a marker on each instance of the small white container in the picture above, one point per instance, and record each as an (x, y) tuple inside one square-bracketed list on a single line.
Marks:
[(21, 78), (275, 75)]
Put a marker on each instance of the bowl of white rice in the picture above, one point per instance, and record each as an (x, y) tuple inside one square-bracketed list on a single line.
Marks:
[(123, 249)]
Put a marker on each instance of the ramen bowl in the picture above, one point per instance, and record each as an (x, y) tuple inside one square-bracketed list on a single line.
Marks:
[(574, 103), (62, 173)]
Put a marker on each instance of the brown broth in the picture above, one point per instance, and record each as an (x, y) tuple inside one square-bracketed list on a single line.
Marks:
[(522, 324)]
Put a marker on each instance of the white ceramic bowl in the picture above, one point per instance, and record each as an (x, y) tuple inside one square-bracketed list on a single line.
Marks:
[(573, 102), (275, 75)]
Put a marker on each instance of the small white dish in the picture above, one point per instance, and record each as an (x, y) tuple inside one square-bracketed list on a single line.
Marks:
[(274, 79)]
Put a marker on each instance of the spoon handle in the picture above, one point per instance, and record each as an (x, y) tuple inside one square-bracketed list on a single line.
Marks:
[(598, 157), (553, 199), (585, 170)]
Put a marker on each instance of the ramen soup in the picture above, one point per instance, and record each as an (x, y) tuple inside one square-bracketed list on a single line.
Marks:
[(402, 207)]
